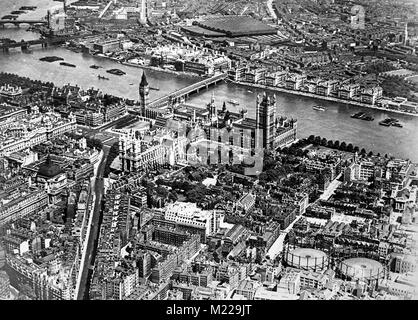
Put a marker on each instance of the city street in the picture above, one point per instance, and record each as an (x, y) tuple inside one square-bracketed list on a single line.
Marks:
[(330, 189), (98, 191), (277, 246)]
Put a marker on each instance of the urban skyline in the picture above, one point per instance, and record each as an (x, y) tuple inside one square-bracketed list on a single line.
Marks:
[(132, 174)]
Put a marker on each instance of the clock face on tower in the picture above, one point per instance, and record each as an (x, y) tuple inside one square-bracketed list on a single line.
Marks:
[(144, 90)]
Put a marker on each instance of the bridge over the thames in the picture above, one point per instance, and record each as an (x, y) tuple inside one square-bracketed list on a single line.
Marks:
[(153, 108), (24, 45), (17, 23), (184, 93)]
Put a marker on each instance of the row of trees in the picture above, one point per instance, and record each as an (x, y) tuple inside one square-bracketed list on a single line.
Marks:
[(109, 100), (342, 146), (94, 143), (379, 67), (396, 86), (24, 82), (296, 149), (273, 169), (193, 192)]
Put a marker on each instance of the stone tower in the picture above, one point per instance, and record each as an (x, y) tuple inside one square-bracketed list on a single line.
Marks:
[(266, 120), (213, 115), (143, 93), (144, 8)]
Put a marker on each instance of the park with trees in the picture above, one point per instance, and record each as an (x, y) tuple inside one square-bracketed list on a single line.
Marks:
[(337, 145)]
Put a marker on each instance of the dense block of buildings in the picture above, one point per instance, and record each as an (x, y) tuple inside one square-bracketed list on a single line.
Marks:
[(24, 133), (14, 206), (190, 214), (138, 150)]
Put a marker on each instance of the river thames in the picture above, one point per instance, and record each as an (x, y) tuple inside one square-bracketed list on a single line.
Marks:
[(335, 123)]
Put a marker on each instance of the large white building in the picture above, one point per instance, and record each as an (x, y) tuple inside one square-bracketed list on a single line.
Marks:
[(187, 213), (26, 204), (17, 135)]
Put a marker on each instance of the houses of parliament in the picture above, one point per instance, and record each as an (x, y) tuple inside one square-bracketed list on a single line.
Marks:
[(219, 125)]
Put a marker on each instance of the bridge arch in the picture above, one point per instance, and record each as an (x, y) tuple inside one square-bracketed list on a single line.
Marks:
[(18, 23)]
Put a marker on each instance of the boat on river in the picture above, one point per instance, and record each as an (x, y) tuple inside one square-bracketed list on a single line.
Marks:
[(51, 59), (362, 116), (28, 8), (18, 12), (391, 122), (318, 108), (66, 64), (116, 72)]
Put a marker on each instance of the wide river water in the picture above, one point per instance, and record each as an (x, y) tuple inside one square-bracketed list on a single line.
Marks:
[(335, 123)]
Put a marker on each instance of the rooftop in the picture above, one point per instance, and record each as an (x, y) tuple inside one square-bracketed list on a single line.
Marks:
[(48, 169), (237, 26)]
